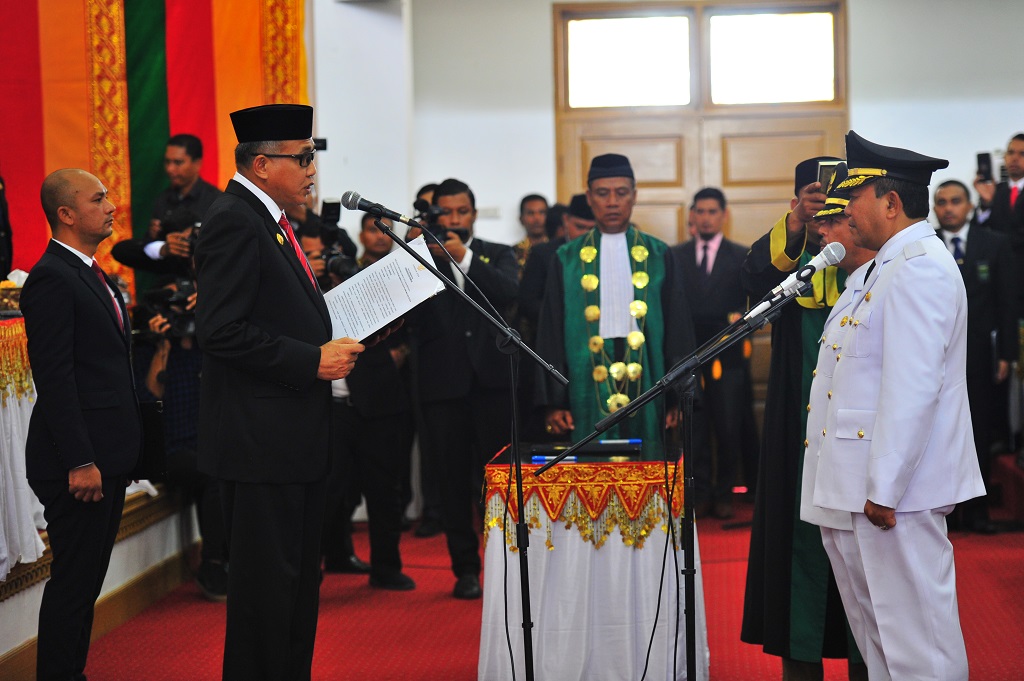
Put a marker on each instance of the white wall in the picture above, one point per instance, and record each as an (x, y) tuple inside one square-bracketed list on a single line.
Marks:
[(362, 91), (929, 75)]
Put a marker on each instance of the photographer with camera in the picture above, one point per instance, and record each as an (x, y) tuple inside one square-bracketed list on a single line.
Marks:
[(177, 213), (371, 407), (173, 377)]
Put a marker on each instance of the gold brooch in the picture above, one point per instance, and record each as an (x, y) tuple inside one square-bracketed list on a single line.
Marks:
[(634, 371), (588, 253), (600, 374), (617, 370), (589, 282), (596, 344), (592, 313), (617, 401), (638, 309), (635, 339), (639, 253), (640, 279), (280, 239)]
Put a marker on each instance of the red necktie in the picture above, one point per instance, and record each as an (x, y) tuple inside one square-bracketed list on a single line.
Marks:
[(1014, 193), (287, 227), (103, 282)]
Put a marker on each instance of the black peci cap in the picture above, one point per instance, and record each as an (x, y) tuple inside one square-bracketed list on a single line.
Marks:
[(579, 208), (609, 165), (869, 161), (273, 123)]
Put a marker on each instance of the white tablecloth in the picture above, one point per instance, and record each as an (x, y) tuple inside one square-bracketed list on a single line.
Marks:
[(594, 594), (20, 511)]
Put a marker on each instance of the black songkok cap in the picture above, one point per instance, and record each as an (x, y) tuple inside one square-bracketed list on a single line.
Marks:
[(609, 165), (273, 123), (579, 208), (869, 161), (807, 172), (837, 198)]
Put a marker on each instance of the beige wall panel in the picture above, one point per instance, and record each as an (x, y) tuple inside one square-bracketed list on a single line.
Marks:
[(659, 220), (749, 221)]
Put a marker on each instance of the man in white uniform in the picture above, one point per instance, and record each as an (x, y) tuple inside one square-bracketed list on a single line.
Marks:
[(896, 450)]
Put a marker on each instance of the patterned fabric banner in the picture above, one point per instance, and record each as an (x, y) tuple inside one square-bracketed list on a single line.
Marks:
[(102, 84)]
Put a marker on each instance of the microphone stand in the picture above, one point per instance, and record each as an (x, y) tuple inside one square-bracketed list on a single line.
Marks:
[(728, 337), (509, 343)]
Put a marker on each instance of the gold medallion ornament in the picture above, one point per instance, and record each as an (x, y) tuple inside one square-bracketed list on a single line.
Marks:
[(617, 370), (634, 371), (617, 401), (280, 239), (622, 376)]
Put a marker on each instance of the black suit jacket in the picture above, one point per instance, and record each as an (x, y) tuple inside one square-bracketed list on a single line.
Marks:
[(535, 276), (988, 269), (86, 409), (264, 415), (713, 299), (1005, 218), (455, 344)]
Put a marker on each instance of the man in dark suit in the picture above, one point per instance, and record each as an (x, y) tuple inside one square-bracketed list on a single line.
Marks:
[(264, 425), (988, 266), (86, 431), (711, 266), (463, 379), (1001, 209)]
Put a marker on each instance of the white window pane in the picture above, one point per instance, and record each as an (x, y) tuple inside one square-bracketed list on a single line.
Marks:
[(643, 61), (761, 58)]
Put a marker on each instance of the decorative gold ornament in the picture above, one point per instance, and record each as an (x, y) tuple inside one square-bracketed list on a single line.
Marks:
[(589, 282), (617, 370), (617, 401), (587, 254), (600, 373), (596, 344), (592, 313), (640, 279), (280, 239), (638, 309), (639, 253), (635, 339), (634, 371)]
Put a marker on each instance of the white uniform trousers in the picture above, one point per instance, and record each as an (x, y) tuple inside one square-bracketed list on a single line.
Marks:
[(899, 590)]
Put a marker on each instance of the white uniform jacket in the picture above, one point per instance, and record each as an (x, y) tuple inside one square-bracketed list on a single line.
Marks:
[(829, 345), (898, 427)]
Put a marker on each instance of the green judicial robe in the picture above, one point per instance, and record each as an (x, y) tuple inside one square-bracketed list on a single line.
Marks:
[(563, 334), (791, 605)]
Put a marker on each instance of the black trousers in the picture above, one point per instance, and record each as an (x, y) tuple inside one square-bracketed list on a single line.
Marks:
[(726, 409), (464, 434), (183, 472), (82, 538), (274, 580), (369, 460)]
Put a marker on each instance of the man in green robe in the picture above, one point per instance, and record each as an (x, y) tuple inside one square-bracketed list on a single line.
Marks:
[(791, 605), (614, 319)]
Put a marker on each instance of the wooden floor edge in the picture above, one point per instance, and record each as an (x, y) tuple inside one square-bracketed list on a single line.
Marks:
[(112, 610)]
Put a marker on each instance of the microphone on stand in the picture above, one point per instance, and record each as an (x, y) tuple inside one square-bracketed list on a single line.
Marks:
[(832, 254), (353, 201)]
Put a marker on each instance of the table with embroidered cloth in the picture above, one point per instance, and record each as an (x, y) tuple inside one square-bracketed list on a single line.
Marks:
[(601, 573), (19, 508)]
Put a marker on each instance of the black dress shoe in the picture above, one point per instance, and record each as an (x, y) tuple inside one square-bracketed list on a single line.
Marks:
[(212, 580), (428, 528), (395, 581), (351, 566), (468, 588)]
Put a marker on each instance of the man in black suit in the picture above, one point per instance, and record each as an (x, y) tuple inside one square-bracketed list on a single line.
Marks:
[(463, 380), (711, 267), (85, 434), (265, 406), (988, 266)]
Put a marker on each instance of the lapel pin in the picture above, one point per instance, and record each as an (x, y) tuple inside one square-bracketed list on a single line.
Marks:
[(280, 239)]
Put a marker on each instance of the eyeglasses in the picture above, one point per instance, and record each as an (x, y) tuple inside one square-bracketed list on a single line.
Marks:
[(304, 158)]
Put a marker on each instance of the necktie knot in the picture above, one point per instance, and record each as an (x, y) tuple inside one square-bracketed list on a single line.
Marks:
[(103, 282), (290, 233), (958, 251)]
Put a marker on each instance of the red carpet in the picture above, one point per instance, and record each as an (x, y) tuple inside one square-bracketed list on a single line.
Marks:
[(426, 635)]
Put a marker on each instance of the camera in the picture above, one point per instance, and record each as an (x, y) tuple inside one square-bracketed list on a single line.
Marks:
[(172, 304), (427, 215)]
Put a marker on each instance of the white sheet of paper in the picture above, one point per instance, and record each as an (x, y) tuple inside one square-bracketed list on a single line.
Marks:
[(381, 293)]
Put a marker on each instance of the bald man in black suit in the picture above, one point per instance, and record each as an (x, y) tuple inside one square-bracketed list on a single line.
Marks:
[(85, 434)]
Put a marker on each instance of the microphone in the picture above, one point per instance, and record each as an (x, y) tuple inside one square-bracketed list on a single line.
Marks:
[(830, 255), (353, 201)]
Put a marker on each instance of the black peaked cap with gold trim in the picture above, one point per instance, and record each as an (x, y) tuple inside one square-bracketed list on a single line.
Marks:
[(868, 162), (837, 198)]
